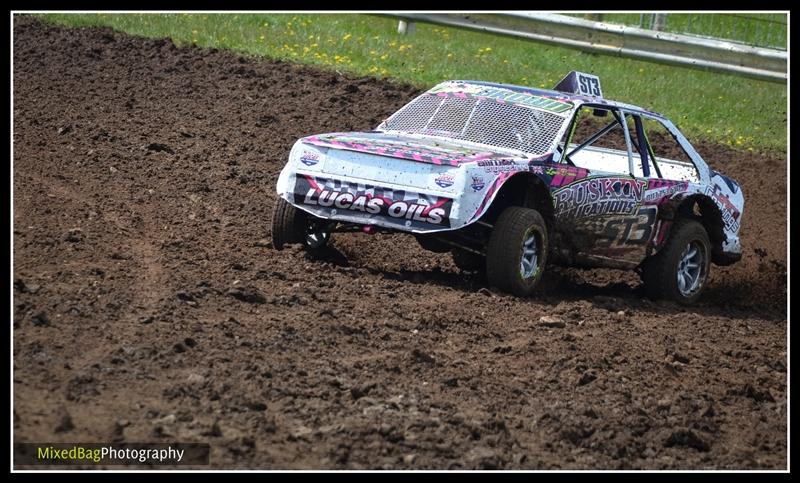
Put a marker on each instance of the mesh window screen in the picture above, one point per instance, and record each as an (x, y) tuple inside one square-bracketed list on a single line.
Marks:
[(483, 121)]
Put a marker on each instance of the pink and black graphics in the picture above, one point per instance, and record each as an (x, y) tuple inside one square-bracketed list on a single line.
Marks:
[(598, 196), (360, 203), (413, 149), (659, 191)]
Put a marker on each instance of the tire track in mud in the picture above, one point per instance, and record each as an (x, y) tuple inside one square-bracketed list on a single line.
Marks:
[(380, 356)]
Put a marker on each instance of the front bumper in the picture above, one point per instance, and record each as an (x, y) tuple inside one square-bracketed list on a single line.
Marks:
[(364, 202), (376, 190)]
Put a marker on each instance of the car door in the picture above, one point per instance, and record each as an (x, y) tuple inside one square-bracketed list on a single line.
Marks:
[(628, 232), (599, 215)]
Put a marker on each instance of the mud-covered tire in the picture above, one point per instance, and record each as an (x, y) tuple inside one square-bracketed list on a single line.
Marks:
[(468, 261), (288, 224), (660, 272), (515, 227)]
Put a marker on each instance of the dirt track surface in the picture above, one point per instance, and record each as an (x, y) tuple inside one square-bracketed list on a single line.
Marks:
[(149, 305)]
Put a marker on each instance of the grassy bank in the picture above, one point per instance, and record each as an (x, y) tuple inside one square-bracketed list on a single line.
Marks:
[(732, 110)]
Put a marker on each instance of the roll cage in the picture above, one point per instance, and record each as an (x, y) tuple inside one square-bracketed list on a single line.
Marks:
[(637, 139)]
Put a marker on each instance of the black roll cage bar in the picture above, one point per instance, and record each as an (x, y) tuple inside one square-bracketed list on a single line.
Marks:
[(646, 153)]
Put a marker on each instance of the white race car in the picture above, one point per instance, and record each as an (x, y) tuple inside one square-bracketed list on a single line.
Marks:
[(511, 178)]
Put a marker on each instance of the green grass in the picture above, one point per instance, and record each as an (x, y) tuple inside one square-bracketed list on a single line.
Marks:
[(760, 29), (740, 112)]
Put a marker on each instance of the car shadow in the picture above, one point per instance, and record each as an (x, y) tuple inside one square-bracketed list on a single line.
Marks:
[(560, 285), (564, 285)]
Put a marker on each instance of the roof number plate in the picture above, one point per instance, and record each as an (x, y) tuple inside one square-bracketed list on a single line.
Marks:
[(581, 83)]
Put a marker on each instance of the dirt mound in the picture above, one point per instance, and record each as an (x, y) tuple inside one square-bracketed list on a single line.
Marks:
[(149, 305)]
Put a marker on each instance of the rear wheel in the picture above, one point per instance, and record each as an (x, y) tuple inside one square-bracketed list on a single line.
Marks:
[(679, 271), (517, 251)]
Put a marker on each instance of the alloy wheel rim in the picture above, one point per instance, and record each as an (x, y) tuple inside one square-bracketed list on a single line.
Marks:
[(691, 269), (529, 264), (316, 238)]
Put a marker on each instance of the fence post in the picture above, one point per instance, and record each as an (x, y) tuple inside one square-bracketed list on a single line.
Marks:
[(659, 21), (405, 27)]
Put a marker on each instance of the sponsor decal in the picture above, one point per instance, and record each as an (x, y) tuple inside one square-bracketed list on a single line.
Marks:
[(659, 191), (456, 87), (730, 214), (495, 162), (527, 100), (565, 175), (503, 96), (478, 183), (499, 165), (599, 196), (407, 208), (309, 158), (445, 180)]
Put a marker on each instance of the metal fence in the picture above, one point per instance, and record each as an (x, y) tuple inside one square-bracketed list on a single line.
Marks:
[(711, 52), (758, 30)]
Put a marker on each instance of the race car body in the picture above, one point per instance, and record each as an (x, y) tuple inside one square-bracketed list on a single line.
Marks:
[(448, 164)]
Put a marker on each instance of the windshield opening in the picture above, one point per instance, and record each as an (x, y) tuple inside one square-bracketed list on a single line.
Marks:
[(480, 120)]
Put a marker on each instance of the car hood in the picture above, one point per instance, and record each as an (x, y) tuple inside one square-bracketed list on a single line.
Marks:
[(424, 150)]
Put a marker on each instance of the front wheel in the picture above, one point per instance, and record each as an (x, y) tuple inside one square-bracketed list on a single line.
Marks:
[(517, 251), (679, 270), (291, 225)]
